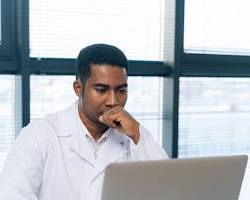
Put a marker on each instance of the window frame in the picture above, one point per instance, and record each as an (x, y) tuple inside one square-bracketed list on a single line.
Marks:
[(8, 29)]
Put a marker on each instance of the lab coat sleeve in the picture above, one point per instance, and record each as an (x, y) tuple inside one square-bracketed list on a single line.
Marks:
[(147, 148), (22, 174)]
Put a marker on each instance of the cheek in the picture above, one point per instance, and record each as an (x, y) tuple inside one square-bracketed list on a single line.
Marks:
[(93, 101), (92, 108), (123, 100)]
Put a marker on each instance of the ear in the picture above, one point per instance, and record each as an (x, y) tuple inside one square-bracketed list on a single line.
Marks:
[(77, 85)]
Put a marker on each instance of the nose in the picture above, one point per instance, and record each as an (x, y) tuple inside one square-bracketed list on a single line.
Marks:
[(112, 99)]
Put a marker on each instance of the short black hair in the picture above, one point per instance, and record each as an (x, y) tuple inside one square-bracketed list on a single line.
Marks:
[(98, 54)]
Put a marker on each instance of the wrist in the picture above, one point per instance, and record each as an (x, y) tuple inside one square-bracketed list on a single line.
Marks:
[(136, 136), (136, 139)]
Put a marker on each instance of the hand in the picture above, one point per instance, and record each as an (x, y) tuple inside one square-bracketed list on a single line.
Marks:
[(120, 119)]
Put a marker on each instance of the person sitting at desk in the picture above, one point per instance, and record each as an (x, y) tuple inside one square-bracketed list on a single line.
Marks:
[(63, 156)]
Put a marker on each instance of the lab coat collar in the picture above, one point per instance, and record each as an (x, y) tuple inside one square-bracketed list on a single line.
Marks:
[(70, 134), (66, 121)]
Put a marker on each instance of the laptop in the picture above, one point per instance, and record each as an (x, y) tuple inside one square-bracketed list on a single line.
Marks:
[(207, 178)]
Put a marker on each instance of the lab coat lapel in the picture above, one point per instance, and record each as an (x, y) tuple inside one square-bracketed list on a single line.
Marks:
[(79, 146), (70, 134)]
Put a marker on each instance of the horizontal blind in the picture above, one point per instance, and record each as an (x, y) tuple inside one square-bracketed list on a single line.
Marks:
[(7, 115), (217, 27), (50, 94), (214, 118), (60, 28), (145, 103), (53, 93)]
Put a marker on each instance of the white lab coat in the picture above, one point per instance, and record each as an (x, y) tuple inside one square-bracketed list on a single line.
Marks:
[(51, 159)]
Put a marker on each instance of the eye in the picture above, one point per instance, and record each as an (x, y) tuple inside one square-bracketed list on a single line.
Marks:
[(100, 90), (123, 90)]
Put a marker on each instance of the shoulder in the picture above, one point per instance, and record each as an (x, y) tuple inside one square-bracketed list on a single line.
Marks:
[(42, 133), (49, 125)]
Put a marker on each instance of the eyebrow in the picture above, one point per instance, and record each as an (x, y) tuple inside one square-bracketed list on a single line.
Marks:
[(107, 86)]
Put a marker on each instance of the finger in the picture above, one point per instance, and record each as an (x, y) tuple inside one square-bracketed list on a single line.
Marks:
[(106, 115), (114, 114), (112, 110), (101, 119), (108, 121), (115, 120)]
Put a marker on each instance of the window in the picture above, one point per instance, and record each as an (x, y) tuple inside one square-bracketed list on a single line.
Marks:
[(214, 114), (214, 118), (217, 27), (145, 103), (52, 93), (7, 115), (60, 28)]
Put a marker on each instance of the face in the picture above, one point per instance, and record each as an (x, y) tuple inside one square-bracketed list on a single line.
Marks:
[(104, 89)]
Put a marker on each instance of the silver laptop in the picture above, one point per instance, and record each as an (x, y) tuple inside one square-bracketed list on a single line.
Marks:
[(207, 178)]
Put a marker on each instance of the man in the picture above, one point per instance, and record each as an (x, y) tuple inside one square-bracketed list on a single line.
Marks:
[(64, 155)]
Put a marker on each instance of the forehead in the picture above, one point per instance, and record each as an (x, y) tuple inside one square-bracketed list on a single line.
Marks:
[(108, 74)]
